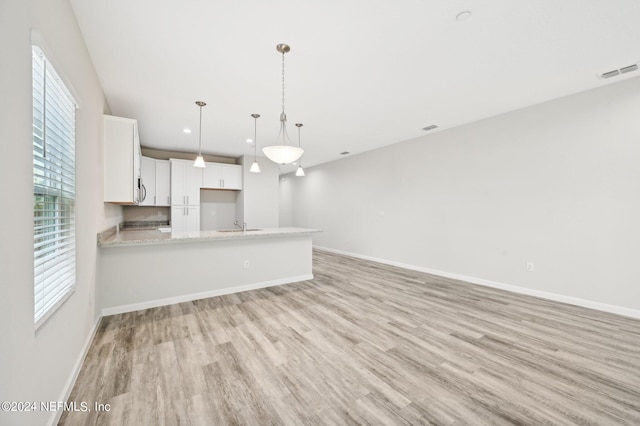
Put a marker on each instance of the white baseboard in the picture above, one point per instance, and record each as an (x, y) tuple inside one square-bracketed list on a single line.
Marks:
[(195, 296), (71, 381), (627, 312)]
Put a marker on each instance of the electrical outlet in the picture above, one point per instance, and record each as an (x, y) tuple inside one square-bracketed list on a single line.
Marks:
[(246, 264), (530, 267)]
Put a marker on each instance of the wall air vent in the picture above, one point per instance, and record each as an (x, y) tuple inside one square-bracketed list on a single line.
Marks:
[(433, 126), (622, 70)]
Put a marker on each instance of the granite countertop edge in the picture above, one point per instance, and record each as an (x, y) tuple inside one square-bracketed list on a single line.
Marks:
[(114, 238)]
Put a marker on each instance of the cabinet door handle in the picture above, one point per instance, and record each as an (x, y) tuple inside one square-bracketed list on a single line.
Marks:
[(187, 199), (144, 191), (184, 199), (168, 200), (154, 200)]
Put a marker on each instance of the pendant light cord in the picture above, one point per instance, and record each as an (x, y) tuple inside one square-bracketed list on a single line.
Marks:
[(283, 116), (255, 137), (282, 82), (200, 134)]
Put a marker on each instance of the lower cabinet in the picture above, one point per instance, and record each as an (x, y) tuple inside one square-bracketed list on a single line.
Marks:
[(185, 218)]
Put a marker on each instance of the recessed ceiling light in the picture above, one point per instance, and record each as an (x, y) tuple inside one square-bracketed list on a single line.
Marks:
[(465, 14), (187, 131), (344, 153), (249, 140)]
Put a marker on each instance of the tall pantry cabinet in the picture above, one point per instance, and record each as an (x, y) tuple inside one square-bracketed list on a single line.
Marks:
[(186, 181)]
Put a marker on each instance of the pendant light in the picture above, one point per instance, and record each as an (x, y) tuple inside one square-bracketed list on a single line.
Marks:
[(199, 159), (283, 153), (255, 167), (300, 171)]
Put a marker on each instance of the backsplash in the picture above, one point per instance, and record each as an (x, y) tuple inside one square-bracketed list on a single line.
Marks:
[(146, 214), (217, 209)]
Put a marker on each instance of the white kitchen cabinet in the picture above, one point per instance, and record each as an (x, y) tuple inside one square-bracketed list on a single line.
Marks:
[(185, 218), (163, 183), (121, 161), (148, 173), (222, 176), (212, 176), (156, 182), (186, 181), (231, 176)]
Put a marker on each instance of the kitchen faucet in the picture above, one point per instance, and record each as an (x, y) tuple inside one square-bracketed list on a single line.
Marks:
[(243, 227)]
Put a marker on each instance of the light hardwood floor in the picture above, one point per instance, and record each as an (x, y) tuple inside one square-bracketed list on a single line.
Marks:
[(363, 343)]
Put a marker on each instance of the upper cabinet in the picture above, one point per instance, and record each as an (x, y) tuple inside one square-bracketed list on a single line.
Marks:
[(163, 183), (121, 161), (222, 176), (156, 182), (148, 181), (186, 182)]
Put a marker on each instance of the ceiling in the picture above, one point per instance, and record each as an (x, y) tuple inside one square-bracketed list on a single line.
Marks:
[(361, 74)]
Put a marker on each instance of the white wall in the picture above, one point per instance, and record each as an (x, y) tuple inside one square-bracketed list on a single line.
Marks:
[(557, 184), (37, 366), (258, 203), (287, 199), (139, 277)]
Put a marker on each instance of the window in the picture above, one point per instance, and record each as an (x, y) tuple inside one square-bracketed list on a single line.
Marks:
[(54, 188)]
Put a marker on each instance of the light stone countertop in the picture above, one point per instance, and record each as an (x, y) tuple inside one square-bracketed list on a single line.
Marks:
[(112, 238)]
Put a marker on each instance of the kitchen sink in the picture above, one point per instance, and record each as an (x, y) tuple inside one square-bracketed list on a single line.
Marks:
[(237, 230)]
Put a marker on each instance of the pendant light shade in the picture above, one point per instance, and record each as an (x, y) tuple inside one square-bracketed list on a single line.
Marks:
[(199, 159), (199, 162), (283, 153), (300, 171), (255, 167)]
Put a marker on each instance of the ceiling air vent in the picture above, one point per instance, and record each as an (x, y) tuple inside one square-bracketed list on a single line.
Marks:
[(433, 126), (622, 70), (610, 74), (630, 68)]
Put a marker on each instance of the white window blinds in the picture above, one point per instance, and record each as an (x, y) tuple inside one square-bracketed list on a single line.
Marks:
[(54, 188)]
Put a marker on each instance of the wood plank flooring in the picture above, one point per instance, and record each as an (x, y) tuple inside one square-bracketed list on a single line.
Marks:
[(363, 343)]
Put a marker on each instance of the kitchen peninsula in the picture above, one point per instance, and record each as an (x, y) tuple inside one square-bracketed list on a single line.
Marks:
[(149, 268)]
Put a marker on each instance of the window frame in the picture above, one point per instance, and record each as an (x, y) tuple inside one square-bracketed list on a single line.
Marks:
[(54, 187)]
